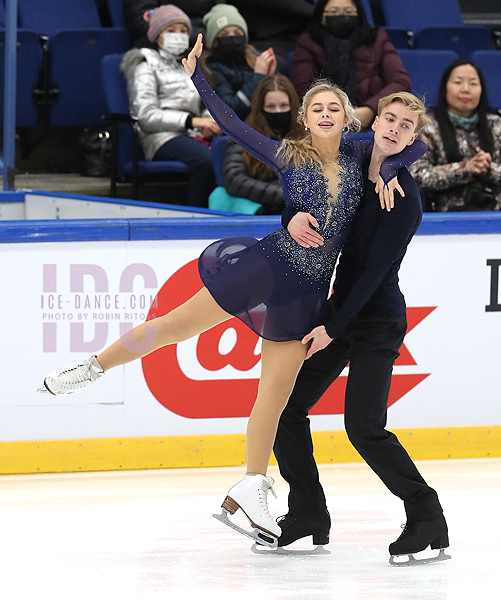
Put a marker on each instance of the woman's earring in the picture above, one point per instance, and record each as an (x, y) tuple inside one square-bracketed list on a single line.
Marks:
[(306, 127)]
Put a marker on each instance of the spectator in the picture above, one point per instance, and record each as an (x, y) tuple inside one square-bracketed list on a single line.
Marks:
[(134, 11), (341, 46), (165, 103), (229, 62), (274, 111), (462, 168)]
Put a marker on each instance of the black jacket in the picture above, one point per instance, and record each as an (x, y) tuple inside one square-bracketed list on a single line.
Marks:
[(240, 184)]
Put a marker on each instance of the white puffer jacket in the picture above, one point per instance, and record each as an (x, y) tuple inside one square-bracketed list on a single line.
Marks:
[(161, 97)]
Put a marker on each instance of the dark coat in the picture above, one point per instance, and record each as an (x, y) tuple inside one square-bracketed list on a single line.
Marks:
[(240, 184), (234, 83), (380, 70)]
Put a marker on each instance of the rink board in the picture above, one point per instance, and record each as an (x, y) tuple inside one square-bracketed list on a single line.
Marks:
[(72, 287)]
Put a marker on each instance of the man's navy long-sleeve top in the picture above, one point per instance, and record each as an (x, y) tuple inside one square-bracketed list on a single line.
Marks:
[(366, 282)]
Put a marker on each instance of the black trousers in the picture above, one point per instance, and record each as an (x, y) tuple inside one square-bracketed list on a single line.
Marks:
[(371, 346)]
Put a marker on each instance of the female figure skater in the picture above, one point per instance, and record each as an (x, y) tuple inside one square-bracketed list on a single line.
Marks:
[(275, 286)]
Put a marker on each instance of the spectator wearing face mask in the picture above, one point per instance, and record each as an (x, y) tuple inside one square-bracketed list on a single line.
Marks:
[(138, 28), (341, 46), (164, 103), (231, 65), (274, 110)]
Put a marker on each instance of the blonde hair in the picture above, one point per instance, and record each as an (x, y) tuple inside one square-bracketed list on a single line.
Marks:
[(301, 151), (410, 101)]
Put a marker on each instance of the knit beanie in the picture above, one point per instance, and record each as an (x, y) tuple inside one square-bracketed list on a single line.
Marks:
[(221, 16), (161, 17)]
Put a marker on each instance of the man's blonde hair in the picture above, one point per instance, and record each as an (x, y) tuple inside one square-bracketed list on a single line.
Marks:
[(410, 101)]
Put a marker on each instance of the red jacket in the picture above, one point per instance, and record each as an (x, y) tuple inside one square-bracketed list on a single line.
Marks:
[(379, 69)]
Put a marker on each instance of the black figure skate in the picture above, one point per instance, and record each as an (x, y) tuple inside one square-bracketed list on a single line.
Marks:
[(416, 537)]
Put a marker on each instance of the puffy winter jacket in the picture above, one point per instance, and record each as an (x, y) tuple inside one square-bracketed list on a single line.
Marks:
[(380, 70), (237, 182), (161, 97), (234, 83)]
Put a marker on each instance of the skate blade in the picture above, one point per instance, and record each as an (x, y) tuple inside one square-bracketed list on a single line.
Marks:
[(260, 549), (43, 390), (412, 562), (256, 534)]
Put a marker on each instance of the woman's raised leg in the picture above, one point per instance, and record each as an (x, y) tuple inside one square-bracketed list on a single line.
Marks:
[(199, 313)]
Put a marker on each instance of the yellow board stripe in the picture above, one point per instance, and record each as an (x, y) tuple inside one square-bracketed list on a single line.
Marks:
[(113, 454)]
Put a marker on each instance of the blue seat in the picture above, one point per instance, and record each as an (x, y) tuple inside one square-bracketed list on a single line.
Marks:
[(128, 160), (400, 38), (218, 152), (75, 43), (489, 62), (414, 15), (46, 17), (425, 68), (116, 11), (368, 11), (75, 73), (28, 75), (463, 40)]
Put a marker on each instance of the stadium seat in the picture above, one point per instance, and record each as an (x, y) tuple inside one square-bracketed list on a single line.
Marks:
[(29, 72), (425, 68), (75, 77), (116, 11), (490, 63), (128, 160), (400, 38), (368, 11), (218, 152), (463, 40), (415, 15), (47, 17)]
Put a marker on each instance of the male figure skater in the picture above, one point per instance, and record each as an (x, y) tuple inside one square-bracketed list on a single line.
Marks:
[(366, 328)]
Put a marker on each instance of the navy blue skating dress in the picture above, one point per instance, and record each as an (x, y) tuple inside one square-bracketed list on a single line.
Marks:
[(274, 285)]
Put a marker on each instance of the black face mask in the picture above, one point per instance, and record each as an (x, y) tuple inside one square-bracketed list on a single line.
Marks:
[(232, 46), (279, 121), (341, 26)]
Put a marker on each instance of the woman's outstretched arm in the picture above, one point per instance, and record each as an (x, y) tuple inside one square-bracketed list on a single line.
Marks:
[(263, 148)]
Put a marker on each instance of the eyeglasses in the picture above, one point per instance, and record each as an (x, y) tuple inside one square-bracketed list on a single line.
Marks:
[(334, 12)]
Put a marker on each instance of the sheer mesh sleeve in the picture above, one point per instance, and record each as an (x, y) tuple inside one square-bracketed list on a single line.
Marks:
[(361, 151), (261, 147), (408, 155)]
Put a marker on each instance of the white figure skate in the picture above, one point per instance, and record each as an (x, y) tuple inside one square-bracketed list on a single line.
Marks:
[(250, 495), (73, 378)]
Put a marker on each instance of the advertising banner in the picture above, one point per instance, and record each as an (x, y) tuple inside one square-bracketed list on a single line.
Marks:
[(64, 301)]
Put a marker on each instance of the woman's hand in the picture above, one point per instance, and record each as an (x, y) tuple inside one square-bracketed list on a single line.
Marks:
[(300, 230), (480, 163), (387, 192), (319, 340), (266, 62), (190, 62), (207, 125)]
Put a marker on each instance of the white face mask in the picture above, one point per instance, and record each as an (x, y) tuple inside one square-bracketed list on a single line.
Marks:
[(175, 43)]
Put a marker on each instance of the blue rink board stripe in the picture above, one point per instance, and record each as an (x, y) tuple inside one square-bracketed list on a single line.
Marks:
[(216, 227)]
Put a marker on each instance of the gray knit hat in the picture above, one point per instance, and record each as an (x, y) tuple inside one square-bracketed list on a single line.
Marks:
[(161, 17), (221, 16)]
